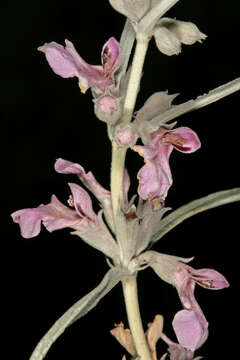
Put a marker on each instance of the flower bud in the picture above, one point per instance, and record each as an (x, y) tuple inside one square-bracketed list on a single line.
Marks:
[(186, 32), (166, 41), (126, 136), (108, 109)]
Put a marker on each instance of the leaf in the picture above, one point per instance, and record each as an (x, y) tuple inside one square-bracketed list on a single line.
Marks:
[(79, 309), (201, 101), (126, 45), (157, 103), (194, 207)]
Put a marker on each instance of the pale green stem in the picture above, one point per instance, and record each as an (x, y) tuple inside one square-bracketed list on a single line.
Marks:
[(117, 173), (119, 154), (117, 170), (134, 318), (135, 78)]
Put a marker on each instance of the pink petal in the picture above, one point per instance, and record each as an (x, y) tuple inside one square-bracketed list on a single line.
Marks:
[(153, 182), (208, 278), (66, 62), (60, 60), (57, 216), (83, 203), (155, 176), (54, 216), (68, 167), (190, 329), (29, 221), (183, 139), (111, 56), (89, 75)]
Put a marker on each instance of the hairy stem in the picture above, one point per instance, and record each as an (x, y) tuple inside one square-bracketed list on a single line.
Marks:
[(119, 154), (117, 170), (134, 318), (117, 173)]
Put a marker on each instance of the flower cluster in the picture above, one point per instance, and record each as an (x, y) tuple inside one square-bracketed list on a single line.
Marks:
[(135, 226), (124, 230), (190, 324)]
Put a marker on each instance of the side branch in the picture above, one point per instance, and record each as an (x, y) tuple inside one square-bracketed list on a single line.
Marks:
[(201, 101)]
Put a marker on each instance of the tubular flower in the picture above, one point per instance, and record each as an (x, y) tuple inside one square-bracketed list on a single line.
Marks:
[(88, 179), (67, 63), (82, 219), (56, 216), (189, 324), (155, 176)]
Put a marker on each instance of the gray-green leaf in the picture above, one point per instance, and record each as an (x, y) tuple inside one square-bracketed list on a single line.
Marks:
[(126, 45), (201, 101), (79, 309), (195, 207)]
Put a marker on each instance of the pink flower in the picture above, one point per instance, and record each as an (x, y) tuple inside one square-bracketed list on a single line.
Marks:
[(56, 216), (186, 277), (191, 328), (155, 176), (67, 63), (88, 179), (82, 219), (190, 324)]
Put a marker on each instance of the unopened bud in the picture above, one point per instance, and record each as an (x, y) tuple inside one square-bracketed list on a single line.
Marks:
[(108, 109), (133, 9), (126, 136), (166, 41), (186, 32)]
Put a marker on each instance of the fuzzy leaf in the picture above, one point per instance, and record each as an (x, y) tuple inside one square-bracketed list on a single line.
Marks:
[(156, 104), (126, 45), (201, 101), (195, 207), (78, 310)]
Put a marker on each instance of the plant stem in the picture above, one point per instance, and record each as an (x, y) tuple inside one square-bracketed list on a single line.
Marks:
[(119, 154), (135, 77), (134, 318), (117, 191)]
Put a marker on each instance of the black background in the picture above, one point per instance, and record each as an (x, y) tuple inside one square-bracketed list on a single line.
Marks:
[(44, 117)]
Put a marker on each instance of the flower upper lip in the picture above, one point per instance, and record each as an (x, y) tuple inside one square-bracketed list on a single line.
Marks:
[(66, 62), (155, 176)]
